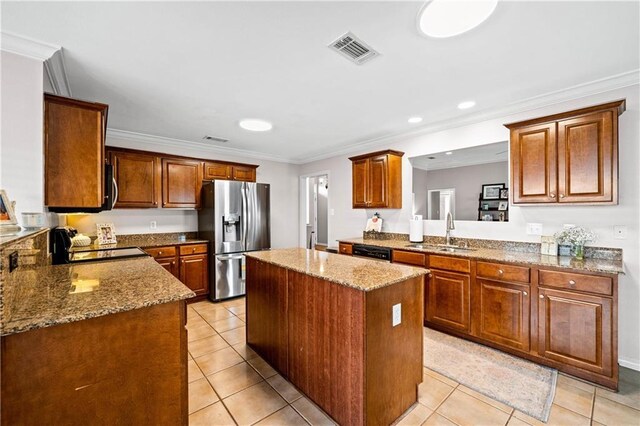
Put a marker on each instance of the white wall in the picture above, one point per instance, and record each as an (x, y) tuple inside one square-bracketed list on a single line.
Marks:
[(349, 222), (284, 200), (21, 152)]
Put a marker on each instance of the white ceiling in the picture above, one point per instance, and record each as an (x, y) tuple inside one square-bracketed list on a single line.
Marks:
[(184, 70), (482, 154)]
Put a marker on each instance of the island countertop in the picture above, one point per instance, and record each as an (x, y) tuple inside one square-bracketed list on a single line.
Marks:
[(481, 253), (358, 273), (57, 294)]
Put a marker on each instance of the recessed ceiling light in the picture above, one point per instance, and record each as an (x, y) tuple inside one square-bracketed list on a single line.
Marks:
[(445, 18), (448, 153), (255, 125), (466, 105), (414, 120)]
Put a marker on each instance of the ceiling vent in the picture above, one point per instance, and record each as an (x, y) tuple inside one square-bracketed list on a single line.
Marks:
[(215, 139), (354, 49)]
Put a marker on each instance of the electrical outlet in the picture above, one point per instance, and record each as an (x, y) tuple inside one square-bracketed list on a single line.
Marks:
[(620, 232), (534, 229), (153, 224), (396, 314)]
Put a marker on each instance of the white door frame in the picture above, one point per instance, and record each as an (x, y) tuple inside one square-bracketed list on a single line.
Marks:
[(302, 216)]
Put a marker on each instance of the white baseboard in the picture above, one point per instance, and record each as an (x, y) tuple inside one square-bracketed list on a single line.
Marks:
[(634, 365)]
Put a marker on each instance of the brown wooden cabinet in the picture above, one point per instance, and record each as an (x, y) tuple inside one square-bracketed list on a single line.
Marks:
[(74, 158), (217, 171), (567, 158), (448, 300), (244, 173), (229, 171), (137, 176), (181, 183), (345, 248), (377, 180), (194, 273)]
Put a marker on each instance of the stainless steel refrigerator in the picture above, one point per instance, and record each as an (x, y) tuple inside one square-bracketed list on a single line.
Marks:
[(235, 218)]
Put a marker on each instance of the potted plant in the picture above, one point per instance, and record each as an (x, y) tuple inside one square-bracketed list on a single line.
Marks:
[(577, 237)]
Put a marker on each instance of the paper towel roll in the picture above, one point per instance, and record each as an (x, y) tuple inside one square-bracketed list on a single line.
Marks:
[(415, 231)]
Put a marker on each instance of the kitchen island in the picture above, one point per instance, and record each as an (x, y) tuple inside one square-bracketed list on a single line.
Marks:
[(101, 342), (346, 331)]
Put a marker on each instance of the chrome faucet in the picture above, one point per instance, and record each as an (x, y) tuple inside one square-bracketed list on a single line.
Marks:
[(450, 226)]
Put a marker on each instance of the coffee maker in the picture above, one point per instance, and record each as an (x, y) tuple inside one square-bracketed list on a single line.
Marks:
[(60, 243)]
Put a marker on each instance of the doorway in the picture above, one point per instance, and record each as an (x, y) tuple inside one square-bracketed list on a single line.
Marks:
[(440, 202), (315, 217)]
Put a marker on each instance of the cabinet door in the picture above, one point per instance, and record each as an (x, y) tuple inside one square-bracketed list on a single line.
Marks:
[(503, 313), (533, 164), (171, 265), (73, 152), (587, 159), (448, 296), (138, 179), (378, 181), (194, 273), (217, 171), (576, 329), (244, 173), (181, 183), (360, 176)]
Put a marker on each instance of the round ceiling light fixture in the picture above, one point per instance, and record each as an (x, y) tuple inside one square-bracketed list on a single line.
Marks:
[(414, 120), (255, 125), (448, 18), (466, 104)]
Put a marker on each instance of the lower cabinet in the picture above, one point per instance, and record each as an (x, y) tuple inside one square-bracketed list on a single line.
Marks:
[(189, 263), (171, 265), (448, 300)]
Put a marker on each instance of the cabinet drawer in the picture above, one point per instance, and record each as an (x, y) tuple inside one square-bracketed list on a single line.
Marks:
[(193, 249), (409, 257), (449, 263), (345, 248), (580, 282), (160, 252), (503, 272)]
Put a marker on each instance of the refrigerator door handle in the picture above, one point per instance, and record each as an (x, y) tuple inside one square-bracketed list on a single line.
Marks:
[(225, 258), (245, 213)]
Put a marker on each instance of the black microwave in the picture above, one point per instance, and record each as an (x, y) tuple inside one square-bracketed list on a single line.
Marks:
[(110, 194)]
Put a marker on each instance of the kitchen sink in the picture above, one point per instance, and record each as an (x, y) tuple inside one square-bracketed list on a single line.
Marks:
[(455, 249), (440, 247)]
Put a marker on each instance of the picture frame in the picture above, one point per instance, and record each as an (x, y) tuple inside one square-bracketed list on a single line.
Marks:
[(491, 191), (106, 233), (7, 213), (504, 194), (503, 205)]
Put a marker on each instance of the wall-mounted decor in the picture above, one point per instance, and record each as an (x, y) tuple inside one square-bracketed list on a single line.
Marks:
[(492, 191), (106, 233), (504, 194), (503, 205)]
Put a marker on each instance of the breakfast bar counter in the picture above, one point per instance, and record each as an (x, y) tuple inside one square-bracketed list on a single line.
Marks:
[(345, 331)]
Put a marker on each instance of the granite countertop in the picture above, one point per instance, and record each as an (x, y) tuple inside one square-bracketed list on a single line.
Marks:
[(20, 235), (56, 294), (361, 274), (480, 253), (142, 243)]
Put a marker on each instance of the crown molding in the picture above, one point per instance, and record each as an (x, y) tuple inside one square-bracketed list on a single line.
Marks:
[(154, 141), (28, 47), (572, 93), (57, 74)]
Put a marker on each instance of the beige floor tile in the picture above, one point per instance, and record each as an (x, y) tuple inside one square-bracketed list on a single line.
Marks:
[(192, 314), (235, 336), (594, 423), (574, 398), (431, 392), (218, 360), (611, 413), (499, 405), (213, 415), (234, 379), (262, 367), (628, 389), (233, 302), (284, 417), (568, 380), (311, 413), (199, 332), (284, 388), (212, 315), (436, 375), (437, 420), (237, 310), (418, 414), (242, 317), (254, 403), (245, 351), (559, 416), (194, 372), (464, 409), (227, 324), (514, 421), (196, 322), (208, 344), (201, 394)]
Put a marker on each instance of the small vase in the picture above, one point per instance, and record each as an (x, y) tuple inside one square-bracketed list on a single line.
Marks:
[(578, 251)]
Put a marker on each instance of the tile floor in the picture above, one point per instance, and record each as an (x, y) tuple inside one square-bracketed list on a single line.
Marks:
[(230, 384)]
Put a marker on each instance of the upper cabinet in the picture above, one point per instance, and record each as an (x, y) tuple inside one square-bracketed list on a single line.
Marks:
[(74, 135), (567, 158), (229, 171), (181, 182), (137, 176), (377, 180)]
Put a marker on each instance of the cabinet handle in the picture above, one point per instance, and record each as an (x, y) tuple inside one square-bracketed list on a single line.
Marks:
[(430, 275), (173, 263), (500, 271), (552, 195), (159, 253), (541, 296), (561, 195), (572, 282), (193, 250), (525, 293)]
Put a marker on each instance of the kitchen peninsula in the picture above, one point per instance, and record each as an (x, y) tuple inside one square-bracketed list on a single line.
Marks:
[(346, 331)]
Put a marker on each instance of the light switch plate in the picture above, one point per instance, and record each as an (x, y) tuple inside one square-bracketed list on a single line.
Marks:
[(534, 229), (396, 314), (153, 224), (620, 232)]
